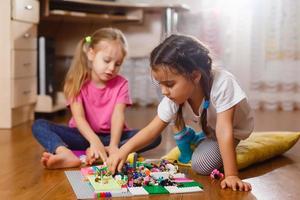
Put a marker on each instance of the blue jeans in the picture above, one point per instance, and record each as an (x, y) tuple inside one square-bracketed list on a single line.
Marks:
[(51, 136)]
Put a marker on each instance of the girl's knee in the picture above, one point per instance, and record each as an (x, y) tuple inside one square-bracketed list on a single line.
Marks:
[(38, 126), (201, 168), (205, 164)]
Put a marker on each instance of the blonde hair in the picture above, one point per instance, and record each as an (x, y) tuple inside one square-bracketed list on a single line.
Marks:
[(80, 71)]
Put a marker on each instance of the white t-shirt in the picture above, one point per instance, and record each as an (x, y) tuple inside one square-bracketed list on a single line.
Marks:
[(225, 93)]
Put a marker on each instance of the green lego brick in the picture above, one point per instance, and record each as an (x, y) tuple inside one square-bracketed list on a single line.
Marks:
[(191, 184), (156, 189)]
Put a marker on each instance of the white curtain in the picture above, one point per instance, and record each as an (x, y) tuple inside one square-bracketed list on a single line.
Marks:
[(275, 60), (258, 41)]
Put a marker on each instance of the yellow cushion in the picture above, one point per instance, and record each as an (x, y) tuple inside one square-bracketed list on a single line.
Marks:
[(258, 147)]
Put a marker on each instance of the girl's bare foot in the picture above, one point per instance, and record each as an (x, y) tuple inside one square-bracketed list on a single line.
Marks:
[(64, 158), (45, 158)]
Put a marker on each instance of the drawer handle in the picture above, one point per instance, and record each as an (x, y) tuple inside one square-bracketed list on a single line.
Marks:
[(28, 7), (27, 64), (26, 92), (26, 35)]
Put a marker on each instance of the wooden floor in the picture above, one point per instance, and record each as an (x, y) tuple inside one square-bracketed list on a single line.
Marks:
[(22, 176)]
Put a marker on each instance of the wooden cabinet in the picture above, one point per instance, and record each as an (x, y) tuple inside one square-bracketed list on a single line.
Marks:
[(18, 61), (24, 35), (18, 36), (25, 10), (23, 91), (23, 63)]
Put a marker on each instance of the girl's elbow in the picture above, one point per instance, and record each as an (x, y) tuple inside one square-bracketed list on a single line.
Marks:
[(119, 116), (224, 132), (218, 134), (154, 131), (79, 119)]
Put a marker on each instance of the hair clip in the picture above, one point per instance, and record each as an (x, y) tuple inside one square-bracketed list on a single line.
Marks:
[(206, 104), (88, 39)]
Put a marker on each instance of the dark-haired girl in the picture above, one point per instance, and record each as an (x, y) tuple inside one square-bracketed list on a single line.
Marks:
[(199, 96)]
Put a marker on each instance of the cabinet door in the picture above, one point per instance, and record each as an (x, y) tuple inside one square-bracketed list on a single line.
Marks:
[(24, 91), (24, 35), (26, 10), (23, 63)]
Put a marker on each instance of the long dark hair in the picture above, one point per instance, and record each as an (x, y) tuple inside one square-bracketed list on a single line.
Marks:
[(184, 55)]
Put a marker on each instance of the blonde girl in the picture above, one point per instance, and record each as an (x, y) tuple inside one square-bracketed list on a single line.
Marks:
[(97, 97)]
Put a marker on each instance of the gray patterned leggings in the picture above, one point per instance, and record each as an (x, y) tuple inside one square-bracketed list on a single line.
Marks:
[(207, 156)]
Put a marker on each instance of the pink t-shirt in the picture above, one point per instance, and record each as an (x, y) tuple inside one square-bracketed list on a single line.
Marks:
[(99, 103)]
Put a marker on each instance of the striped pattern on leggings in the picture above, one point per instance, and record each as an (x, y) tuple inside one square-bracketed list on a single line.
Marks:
[(207, 157)]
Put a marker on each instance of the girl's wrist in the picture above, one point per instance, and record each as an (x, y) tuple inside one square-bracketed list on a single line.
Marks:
[(125, 150), (113, 145), (232, 172), (94, 139), (231, 175)]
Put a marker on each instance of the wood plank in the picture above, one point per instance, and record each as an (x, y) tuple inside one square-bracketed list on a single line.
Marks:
[(22, 176)]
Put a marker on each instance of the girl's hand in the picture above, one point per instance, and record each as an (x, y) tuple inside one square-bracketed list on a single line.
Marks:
[(235, 183), (116, 161), (89, 159), (96, 151), (111, 149)]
